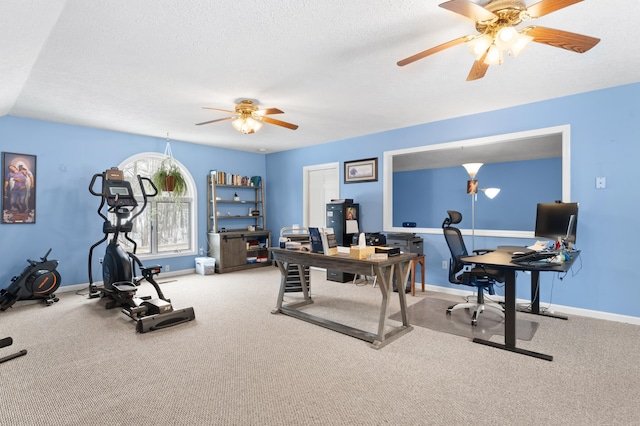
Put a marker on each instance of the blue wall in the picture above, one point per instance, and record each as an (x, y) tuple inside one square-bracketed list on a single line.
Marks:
[(604, 142), (66, 217), (605, 137), (418, 195)]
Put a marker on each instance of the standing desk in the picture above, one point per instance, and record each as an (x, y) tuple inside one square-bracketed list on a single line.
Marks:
[(534, 307), (382, 269), (501, 259)]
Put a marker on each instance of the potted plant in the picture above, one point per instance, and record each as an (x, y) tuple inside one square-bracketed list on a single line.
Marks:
[(168, 178)]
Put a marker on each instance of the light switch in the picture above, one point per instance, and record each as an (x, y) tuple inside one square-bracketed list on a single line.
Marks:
[(601, 183)]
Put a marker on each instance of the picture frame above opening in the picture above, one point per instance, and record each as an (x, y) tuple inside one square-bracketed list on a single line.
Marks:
[(357, 171)]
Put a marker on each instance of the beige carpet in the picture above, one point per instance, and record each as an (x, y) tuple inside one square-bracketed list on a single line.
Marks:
[(430, 312), (238, 364)]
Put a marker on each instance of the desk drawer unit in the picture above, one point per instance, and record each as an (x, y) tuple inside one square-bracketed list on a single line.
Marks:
[(408, 243)]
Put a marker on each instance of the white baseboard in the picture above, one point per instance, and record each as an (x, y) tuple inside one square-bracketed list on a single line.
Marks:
[(556, 308), (434, 288), (161, 277)]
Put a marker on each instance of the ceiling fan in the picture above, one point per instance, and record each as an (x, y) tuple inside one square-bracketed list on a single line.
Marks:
[(247, 118), (496, 23)]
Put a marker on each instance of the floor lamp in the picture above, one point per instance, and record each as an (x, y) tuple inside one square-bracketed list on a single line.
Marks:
[(472, 188)]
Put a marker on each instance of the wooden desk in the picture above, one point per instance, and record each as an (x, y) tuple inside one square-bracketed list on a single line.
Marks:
[(419, 259), (384, 271), (501, 259)]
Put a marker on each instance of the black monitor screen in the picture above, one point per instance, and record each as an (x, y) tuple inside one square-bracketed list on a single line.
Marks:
[(557, 220), (119, 190)]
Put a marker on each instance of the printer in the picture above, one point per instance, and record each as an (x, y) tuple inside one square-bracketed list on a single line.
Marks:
[(371, 239), (408, 242)]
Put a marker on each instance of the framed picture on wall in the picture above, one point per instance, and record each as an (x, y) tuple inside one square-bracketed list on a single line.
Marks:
[(361, 170), (18, 188)]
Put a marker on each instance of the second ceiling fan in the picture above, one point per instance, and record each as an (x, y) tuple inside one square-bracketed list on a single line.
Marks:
[(497, 33)]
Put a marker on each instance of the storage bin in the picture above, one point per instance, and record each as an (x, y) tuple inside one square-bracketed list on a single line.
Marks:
[(205, 265)]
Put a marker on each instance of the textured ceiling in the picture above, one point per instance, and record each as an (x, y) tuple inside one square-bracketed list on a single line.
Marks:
[(149, 66)]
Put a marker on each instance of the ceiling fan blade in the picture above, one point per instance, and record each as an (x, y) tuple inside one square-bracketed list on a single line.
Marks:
[(469, 9), (213, 121), (268, 111), (278, 123), (547, 6), (562, 39), (218, 109), (433, 50), (479, 68)]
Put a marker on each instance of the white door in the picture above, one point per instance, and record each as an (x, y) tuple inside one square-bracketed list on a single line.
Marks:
[(321, 185)]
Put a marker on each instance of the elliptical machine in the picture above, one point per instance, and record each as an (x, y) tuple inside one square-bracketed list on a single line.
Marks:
[(118, 266), (38, 281)]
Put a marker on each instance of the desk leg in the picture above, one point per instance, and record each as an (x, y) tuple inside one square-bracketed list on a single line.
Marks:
[(284, 271), (510, 322), (402, 274), (385, 279), (303, 282), (418, 260), (422, 265), (535, 299)]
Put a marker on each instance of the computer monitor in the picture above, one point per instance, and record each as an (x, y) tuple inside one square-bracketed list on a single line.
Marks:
[(557, 220)]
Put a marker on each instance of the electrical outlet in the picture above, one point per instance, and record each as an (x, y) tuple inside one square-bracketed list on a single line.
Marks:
[(201, 251), (167, 268), (445, 264), (100, 260)]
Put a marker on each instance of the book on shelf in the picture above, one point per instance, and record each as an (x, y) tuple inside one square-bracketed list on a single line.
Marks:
[(224, 178)]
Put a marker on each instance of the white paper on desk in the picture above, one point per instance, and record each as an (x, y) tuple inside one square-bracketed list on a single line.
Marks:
[(352, 227), (539, 245)]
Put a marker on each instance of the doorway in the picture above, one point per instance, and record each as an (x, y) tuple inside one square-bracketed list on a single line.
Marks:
[(321, 185)]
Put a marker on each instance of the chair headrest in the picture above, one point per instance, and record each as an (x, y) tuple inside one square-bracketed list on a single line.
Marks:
[(454, 217)]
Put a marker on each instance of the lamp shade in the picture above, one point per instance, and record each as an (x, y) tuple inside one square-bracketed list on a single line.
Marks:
[(472, 169), (491, 192), (494, 55), (506, 37), (521, 42), (246, 125), (479, 45)]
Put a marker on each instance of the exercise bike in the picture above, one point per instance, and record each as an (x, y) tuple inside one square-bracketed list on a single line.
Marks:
[(120, 284), (39, 280)]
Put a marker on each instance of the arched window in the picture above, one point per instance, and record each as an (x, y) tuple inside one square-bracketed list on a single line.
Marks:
[(168, 225)]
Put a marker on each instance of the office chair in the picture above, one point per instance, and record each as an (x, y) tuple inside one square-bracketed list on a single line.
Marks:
[(481, 278)]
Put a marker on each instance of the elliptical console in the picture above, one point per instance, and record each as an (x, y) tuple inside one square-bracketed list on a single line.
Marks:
[(118, 266)]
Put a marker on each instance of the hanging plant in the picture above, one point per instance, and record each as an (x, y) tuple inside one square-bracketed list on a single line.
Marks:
[(168, 178)]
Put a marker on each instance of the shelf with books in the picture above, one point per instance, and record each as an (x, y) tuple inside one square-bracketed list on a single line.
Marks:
[(240, 207), (236, 223)]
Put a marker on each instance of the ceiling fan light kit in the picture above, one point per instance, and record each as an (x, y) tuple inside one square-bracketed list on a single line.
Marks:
[(496, 24), (247, 118), (246, 125)]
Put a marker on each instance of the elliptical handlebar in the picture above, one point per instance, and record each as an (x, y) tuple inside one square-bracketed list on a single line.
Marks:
[(92, 184), (144, 195), (43, 259), (98, 194)]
